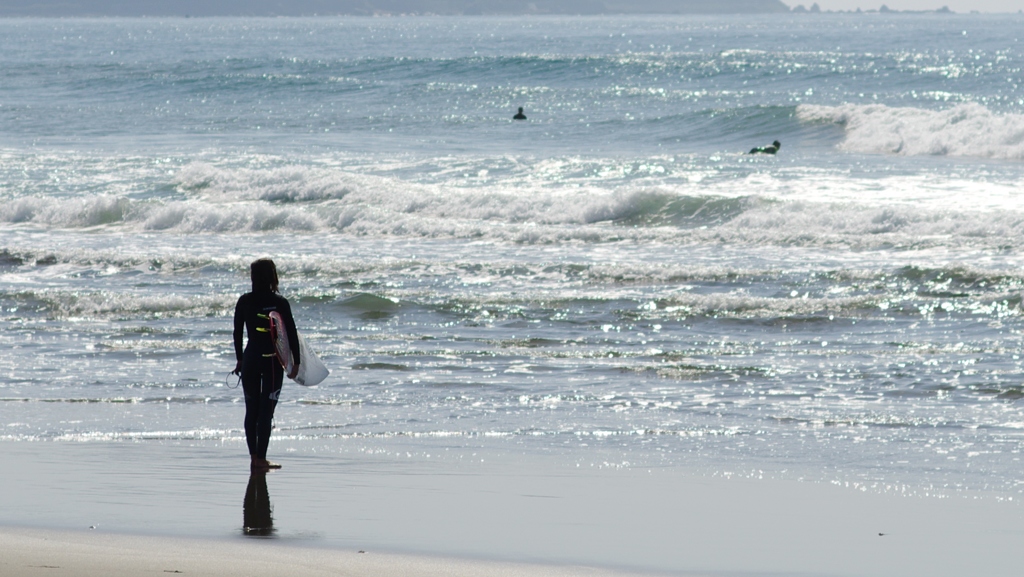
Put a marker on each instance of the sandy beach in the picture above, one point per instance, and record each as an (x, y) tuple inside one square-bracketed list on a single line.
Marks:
[(35, 552), (505, 514)]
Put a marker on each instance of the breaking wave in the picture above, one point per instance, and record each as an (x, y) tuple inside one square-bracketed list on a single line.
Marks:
[(824, 211), (968, 130)]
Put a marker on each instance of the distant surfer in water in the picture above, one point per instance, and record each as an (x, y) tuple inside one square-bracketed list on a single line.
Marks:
[(770, 149), (519, 115), (262, 374)]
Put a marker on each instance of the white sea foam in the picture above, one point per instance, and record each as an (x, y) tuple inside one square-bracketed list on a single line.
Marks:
[(759, 209), (192, 435), (392, 197), (963, 130), (281, 185), (76, 303), (535, 213), (66, 213)]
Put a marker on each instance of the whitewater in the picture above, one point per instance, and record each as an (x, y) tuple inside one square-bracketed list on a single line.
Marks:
[(612, 281)]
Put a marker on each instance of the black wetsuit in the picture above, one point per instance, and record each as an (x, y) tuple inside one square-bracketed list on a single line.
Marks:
[(770, 149), (262, 375)]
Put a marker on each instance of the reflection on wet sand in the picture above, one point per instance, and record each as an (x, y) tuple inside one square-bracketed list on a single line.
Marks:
[(257, 513)]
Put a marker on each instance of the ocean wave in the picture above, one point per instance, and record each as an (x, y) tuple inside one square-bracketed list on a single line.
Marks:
[(171, 435), (641, 215), (547, 202), (90, 261), (66, 212), (968, 130), (71, 303), (275, 185), (633, 292), (118, 400), (85, 262), (365, 272), (329, 432)]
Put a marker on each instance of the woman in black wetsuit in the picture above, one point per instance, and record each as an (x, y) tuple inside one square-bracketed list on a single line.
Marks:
[(262, 374)]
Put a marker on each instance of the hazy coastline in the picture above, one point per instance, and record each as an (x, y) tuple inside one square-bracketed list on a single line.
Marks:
[(265, 8)]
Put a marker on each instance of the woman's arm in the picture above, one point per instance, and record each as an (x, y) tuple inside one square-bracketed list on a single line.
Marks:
[(239, 329), (293, 335)]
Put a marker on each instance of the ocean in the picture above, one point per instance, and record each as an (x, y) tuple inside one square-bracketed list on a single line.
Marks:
[(611, 283)]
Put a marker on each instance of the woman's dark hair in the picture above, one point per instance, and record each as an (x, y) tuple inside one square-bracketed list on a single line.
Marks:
[(264, 275)]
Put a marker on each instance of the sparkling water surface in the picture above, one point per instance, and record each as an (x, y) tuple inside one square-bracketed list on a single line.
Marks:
[(611, 281)]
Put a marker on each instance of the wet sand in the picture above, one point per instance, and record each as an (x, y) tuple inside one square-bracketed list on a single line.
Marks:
[(154, 508), (55, 553)]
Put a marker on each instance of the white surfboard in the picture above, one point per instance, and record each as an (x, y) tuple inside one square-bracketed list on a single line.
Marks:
[(311, 370)]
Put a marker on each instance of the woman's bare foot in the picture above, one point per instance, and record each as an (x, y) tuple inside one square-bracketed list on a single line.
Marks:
[(262, 465)]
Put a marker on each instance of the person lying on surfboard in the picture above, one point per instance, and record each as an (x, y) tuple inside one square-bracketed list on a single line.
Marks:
[(261, 372), (769, 149)]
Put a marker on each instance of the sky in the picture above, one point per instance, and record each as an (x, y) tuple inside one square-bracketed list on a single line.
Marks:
[(954, 5)]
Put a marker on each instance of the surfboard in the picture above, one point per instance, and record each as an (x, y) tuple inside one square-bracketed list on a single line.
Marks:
[(311, 370), (282, 348)]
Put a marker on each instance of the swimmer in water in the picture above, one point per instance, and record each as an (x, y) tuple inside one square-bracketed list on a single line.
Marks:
[(519, 115), (770, 149)]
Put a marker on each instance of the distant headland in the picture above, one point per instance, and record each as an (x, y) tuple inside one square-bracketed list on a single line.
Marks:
[(70, 8), (814, 9), (200, 8)]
